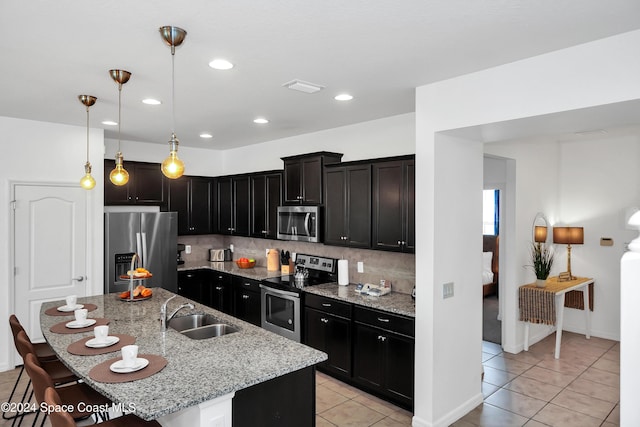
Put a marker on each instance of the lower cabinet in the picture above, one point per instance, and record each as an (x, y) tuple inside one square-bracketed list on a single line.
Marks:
[(383, 354), (221, 292), (328, 328), (194, 284), (247, 299)]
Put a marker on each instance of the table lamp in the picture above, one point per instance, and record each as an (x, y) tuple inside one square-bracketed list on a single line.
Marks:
[(568, 236), (540, 234)]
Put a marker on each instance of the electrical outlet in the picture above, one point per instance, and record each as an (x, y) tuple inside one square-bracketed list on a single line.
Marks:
[(360, 267), (231, 247), (447, 290), (187, 249)]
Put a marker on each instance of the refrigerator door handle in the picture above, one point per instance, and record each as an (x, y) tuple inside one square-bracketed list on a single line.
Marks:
[(139, 247), (144, 250)]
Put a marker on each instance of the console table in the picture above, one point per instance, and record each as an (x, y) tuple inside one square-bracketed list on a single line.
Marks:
[(546, 305)]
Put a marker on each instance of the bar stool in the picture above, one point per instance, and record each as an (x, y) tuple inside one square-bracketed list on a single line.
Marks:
[(43, 352), (71, 395), (64, 419)]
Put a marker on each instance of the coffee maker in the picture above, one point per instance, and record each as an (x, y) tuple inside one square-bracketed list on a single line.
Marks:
[(180, 250)]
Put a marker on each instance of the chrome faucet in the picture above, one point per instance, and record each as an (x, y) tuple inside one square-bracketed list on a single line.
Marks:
[(164, 319)]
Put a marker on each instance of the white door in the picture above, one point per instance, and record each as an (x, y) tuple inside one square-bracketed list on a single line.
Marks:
[(50, 227)]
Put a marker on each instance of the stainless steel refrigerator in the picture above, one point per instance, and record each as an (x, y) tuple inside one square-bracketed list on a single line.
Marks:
[(151, 235)]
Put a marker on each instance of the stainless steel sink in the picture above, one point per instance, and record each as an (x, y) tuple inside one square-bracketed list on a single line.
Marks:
[(209, 331), (201, 326)]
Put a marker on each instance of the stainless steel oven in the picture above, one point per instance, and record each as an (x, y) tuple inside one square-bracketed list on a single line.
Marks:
[(281, 312), (282, 297)]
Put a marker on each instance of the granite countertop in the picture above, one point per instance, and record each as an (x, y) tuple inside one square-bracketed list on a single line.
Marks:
[(230, 267), (394, 302), (197, 370)]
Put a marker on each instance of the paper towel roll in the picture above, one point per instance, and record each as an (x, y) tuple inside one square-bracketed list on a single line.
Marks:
[(343, 272)]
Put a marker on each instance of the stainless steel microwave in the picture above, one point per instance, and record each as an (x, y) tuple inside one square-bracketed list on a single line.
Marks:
[(300, 223)]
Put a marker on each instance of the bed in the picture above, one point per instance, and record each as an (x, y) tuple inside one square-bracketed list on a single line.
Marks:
[(489, 265)]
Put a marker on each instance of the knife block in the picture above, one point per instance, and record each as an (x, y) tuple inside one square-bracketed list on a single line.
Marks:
[(287, 268)]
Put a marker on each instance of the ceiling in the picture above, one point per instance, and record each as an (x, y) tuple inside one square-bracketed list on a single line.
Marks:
[(376, 50)]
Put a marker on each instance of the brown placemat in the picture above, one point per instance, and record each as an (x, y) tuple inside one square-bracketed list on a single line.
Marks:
[(80, 349), (537, 305), (53, 311), (103, 374), (60, 328)]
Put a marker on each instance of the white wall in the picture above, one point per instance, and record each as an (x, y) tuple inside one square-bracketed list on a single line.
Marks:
[(44, 152), (597, 73)]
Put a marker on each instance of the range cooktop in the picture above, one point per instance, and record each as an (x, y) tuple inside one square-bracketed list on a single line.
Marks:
[(318, 270)]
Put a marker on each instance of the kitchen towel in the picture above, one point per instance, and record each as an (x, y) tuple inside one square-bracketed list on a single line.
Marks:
[(343, 272)]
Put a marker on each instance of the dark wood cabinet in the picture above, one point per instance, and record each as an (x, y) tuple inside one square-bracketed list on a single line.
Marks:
[(394, 205), (195, 285), (146, 186), (266, 196), (247, 299), (191, 197), (303, 180), (233, 205), (347, 209), (222, 292), (383, 354), (329, 329)]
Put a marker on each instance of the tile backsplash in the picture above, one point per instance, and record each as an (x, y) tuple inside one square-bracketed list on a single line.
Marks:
[(399, 268)]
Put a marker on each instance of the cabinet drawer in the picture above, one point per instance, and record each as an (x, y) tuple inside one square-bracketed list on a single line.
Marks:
[(246, 284), (328, 305), (381, 319)]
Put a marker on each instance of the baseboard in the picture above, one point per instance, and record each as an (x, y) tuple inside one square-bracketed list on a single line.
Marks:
[(594, 333), (452, 416), (5, 367)]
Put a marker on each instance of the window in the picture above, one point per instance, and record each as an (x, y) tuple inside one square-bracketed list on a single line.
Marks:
[(491, 212)]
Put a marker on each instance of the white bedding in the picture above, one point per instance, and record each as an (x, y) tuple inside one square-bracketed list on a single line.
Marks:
[(487, 273)]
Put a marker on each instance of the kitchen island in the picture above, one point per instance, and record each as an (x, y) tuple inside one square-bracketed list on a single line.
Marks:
[(202, 376)]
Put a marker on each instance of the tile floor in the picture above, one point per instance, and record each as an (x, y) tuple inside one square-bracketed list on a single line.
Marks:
[(529, 389)]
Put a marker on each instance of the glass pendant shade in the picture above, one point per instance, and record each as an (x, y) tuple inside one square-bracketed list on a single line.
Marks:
[(87, 181), (172, 166), (119, 175)]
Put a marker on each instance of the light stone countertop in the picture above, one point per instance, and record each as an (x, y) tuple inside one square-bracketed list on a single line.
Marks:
[(394, 302), (197, 370)]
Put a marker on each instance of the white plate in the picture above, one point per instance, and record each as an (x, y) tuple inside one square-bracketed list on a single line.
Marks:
[(94, 343), (66, 308), (119, 368), (75, 325)]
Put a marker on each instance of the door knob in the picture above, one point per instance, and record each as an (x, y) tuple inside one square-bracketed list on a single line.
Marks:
[(78, 279)]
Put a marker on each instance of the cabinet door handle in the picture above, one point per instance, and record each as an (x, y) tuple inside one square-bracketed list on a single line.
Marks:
[(247, 284), (326, 304), (324, 320), (220, 277), (382, 319), (382, 338), (399, 242), (245, 296), (219, 288)]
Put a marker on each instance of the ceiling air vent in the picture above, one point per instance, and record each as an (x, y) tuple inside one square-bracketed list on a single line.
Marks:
[(301, 86)]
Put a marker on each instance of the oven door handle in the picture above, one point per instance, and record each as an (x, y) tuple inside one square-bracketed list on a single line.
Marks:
[(279, 292)]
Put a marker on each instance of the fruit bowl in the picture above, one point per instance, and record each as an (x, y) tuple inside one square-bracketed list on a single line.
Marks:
[(245, 263)]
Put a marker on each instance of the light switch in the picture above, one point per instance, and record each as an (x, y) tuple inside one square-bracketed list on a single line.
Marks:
[(447, 290)]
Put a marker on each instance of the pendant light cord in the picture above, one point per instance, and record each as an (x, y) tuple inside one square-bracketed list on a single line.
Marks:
[(173, 92), (87, 134), (119, 113)]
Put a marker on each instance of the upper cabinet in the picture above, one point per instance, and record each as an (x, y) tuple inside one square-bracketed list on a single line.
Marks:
[(146, 186), (347, 209), (394, 205), (191, 197), (266, 196), (303, 177), (233, 201)]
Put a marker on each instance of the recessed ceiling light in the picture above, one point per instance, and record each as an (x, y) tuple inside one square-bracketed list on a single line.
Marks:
[(343, 97), (206, 135), (151, 101), (220, 64), (110, 123), (260, 121)]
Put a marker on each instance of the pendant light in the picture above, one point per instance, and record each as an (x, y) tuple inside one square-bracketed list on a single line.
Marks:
[(119, 176), (172, 166), (87, 182)]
